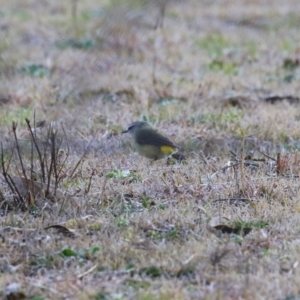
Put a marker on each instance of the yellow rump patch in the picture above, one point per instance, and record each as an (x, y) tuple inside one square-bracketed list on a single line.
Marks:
[(167, 150)]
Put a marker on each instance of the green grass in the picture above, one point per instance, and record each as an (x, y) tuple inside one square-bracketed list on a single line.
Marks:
[(214, 45)]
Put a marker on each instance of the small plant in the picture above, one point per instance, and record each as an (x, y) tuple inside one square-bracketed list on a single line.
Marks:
[(221, 65), (258, 224), (214, 45), (122, 174), (41, 173), (85, 253), (145, 201), (36, 70), (121, 222), (118, 174)]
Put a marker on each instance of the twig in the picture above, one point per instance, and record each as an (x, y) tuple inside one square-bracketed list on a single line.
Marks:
[(266, 155), (33, 136), (14, 127), (52, 161), (80, 276), (66, 157), (7, 177), (90, 182), (78, 163)]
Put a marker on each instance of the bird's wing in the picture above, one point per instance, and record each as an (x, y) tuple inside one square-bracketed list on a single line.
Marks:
[(153, 138)]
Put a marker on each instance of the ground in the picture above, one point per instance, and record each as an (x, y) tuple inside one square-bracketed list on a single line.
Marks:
[(83, 216)]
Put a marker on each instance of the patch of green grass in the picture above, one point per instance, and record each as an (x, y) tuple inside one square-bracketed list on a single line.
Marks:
[(35, 70), (84, 253), (251, 224), (67, 252), (18, 114), (101, 296), (22, 15), (43, 261), (83, 44), (152, 271), (229, 68), (4, 45), (74, 182), (121, 222), (251, 48), (169, 235), (214, 45), (118, 174), (146, 201), (123, 174), (138, 284), (230, 115), (287, 44), (173, 233), (36, 298), (161, 206)]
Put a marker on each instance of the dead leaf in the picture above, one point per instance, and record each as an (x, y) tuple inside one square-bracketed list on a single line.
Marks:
[(276, 98), (236, 230), (219, 223), (239, 101)]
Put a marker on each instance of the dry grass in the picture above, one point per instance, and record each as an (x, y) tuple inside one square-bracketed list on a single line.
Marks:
[(221, 78)]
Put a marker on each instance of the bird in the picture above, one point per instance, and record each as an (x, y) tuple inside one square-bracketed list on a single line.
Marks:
[(150, 143)]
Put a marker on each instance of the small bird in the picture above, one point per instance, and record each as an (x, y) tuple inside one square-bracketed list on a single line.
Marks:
[(150, 143)]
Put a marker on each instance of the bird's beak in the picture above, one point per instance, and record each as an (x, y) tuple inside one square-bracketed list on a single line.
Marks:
[(124, 131)]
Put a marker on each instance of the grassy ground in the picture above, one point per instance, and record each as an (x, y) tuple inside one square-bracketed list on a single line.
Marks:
[(220, 78)]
